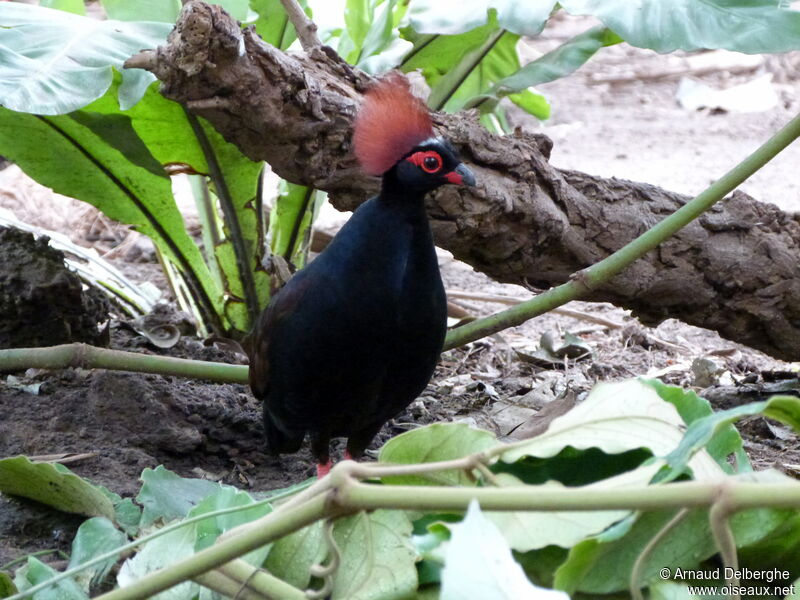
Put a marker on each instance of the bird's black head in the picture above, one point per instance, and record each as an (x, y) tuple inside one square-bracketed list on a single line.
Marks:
[(430, 164)]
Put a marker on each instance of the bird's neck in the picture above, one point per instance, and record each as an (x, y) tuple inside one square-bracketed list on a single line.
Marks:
[(395, 193)]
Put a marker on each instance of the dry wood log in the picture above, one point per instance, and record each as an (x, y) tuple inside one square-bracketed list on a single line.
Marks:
[(735, 271)]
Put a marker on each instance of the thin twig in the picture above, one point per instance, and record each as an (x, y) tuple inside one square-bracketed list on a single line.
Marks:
[(511, 301), (305, 27)]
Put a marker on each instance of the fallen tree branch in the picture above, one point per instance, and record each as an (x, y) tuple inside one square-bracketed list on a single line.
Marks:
[(736, 270)]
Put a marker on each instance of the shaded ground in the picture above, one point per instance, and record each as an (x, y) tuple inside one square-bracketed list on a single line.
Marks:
[(603, 123)]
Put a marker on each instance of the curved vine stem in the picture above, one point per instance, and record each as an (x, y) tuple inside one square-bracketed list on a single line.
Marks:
[(647, 551)]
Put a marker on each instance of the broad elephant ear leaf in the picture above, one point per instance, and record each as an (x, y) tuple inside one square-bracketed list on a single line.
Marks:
[(66, 153), (72, 60), (751, 26)]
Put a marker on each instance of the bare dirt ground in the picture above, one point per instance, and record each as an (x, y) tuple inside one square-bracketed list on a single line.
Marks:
[(619, 117)]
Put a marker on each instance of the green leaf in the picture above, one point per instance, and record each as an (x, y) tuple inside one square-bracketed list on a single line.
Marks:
[(383, 49), (432, 443), (54, 485), (95, 537), (75, 7), (290, 222), (161, 552), (72, 62), (36, 572), (462, 68), (167, 496), (724, 441), (532, 103), (292, 556), (357, 19), (616, 417), (700, 433), (751, 26), (73, 160), (602, 565), (273, 25), (7, 587), (210, 529), (454, 17), (165, 11), (562, 61), (377, 557), (175, 138), (479, 565), (526, 531)]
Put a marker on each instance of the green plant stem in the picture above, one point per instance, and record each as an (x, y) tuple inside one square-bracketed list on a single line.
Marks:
[(274, 525), (365, 496), (236, 236), (230, 588), (92, 357), (260, 581), (602, 272)]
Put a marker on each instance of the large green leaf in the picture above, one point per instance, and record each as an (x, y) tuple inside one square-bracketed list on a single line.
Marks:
[(53, 62), (165, 11), (526, 531), (74, 6), (463, 68), (167, 496), (161, 552), (292, 556), (437, 442), (377, 557), (603, 564), (67, 154), (177, 139), (290, 221), (54, 485), (557, 63), (383, 48), (617, 417), (35, 572), (723, 442), (702, 431), (458, 16), (479, 565), (751, 26), (95, 536)]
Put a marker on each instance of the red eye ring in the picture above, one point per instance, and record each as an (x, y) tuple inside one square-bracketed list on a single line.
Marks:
[(429, 161)]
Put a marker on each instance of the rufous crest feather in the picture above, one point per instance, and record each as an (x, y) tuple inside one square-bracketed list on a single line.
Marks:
[(390, 122)]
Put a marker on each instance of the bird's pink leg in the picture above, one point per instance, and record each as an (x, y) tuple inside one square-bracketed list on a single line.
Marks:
[(348, 456), (324, 468)]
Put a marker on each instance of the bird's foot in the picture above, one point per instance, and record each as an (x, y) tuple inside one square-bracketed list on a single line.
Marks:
[(324, 468)]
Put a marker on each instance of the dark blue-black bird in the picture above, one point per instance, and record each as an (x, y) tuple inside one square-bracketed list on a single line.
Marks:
[(353, 338)]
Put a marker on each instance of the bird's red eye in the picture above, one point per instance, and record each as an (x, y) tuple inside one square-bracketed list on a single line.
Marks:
[(429, 161)]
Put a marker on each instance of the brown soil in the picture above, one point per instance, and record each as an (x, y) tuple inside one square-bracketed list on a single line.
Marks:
[(198, 429)]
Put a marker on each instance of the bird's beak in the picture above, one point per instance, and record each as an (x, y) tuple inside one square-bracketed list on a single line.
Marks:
[(461, 175)]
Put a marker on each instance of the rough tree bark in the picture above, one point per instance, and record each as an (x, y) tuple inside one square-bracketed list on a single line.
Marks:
[(736, 270)]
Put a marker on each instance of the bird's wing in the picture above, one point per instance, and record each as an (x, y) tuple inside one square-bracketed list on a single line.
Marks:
[(282, 304)]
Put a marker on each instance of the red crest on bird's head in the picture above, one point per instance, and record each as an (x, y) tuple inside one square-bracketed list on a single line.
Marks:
[(390, 123)]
